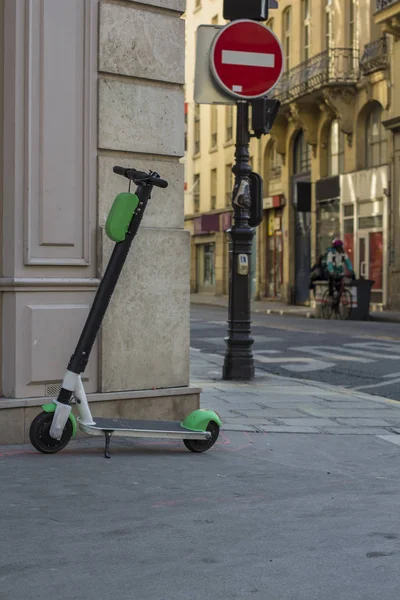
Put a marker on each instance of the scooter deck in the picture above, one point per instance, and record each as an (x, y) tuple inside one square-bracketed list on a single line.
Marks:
[(142, 428)]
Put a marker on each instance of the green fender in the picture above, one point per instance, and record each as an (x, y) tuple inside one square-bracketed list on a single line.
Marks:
[(198, 420), (49, 408)]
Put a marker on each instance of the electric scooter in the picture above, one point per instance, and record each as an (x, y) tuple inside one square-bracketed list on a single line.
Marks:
[(53, 428)]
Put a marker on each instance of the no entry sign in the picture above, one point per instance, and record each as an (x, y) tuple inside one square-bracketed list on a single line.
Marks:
[(246, 59)]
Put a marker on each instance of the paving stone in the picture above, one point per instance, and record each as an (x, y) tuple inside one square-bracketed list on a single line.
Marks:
[(361, 422), (355, 431), (267, 413), (351, 413), (352, 404), (285, 429), (234, 427), (246, 420), (309, 422)]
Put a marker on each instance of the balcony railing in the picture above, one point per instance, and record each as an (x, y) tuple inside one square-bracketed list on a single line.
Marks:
[(336, 66), (375, 57), (381, 4)]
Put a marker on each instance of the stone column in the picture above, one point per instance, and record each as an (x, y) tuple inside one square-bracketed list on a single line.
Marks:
[(145, 337)]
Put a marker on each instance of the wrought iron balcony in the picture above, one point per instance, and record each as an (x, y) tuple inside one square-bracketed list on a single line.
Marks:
[(375, 57), (336, 66), (382, 4)]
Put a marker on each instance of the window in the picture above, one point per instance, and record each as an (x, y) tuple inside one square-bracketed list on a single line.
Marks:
[(196, 192), (209, 268), (214, 126), (229, 183), (213, 184), (275, 163), (301, 155), (197, 4), (228, 123), (214, 20), (286, 33), (270, 24), (335, 150), (196, 128), (328, 25), (328, 223), (305, 42), (376, 139)]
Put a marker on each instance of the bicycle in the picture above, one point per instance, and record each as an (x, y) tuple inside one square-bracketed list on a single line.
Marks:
[(338, 303)]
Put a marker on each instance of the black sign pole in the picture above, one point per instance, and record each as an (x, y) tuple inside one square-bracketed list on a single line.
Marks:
[(239, 364)]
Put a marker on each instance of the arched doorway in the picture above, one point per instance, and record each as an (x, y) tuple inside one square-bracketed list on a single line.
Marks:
[(301, 196)]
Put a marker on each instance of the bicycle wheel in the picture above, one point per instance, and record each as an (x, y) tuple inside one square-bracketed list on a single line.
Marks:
[(345, 305), (326, 305)]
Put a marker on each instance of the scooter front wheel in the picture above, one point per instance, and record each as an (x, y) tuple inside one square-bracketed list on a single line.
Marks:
[(203, 445), (39, 434)]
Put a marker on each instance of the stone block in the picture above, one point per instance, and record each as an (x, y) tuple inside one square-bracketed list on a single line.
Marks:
[(12, 426), (177, 5), (165, 208), (145, 333), (136, 117), (140, 43)]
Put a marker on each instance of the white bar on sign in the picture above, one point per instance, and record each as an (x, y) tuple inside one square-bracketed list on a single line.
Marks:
[(237, 88), (248, 59)]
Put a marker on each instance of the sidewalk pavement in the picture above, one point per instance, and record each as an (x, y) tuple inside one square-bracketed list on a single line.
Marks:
[(275, 404), (279, 308)]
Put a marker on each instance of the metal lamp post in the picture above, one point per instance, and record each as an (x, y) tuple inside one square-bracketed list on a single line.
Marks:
[(238, 363)]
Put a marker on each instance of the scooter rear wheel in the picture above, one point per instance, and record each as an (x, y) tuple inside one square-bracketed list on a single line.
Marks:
[(203, 445), (39, 434)]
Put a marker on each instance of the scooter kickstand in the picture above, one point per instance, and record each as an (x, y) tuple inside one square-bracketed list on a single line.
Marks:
[(107, 447)]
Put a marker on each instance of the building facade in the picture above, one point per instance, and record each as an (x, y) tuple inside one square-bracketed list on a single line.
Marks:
[(86, 85), (326, 163), (387, 18)]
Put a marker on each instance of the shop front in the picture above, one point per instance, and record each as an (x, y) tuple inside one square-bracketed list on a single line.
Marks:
[(210, 243), (273, 223), (365, 227)]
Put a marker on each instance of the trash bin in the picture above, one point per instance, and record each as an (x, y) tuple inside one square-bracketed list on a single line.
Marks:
[(361, 295)]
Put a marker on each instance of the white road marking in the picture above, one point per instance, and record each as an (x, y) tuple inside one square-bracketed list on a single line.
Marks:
[(319, 351), (248, 59), (379, 346), (306, 364), (393, 439), (376, 385), (390, 375), (368, 354)]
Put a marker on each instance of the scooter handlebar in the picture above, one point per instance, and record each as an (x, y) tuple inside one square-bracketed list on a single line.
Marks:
[(138, 176)]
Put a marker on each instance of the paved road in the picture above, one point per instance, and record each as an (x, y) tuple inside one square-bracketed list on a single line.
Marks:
[(260, 516), (358, 355)]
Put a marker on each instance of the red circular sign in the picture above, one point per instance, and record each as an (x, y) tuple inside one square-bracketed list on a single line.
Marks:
[(246, 59)]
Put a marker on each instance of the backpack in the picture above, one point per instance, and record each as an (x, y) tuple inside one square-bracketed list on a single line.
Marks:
[(317, 271)]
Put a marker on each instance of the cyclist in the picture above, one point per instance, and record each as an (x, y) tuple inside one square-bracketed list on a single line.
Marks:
[(335, 263)]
